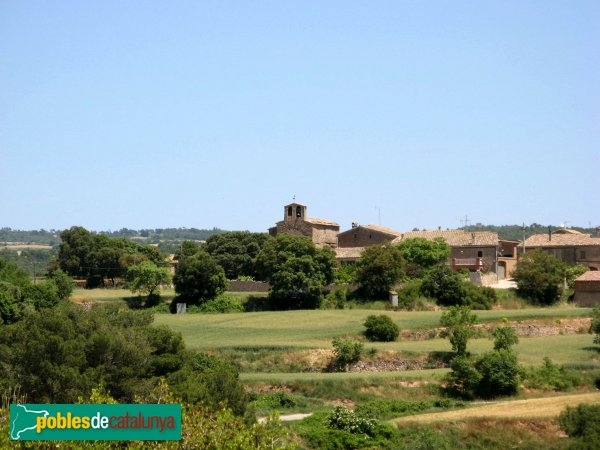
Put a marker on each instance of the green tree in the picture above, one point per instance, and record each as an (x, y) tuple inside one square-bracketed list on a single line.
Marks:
[(499, 374), (504, 338), (345, 352), (540, 277), (236, 252), (97, 257), (207, 380), (186, 249), (463, 378), (296, 270), (381, 328), (146, 278), (198, 278), (76, 245), (422, 254), (64, 283), (445, 286), (458, 322), (378, 269)]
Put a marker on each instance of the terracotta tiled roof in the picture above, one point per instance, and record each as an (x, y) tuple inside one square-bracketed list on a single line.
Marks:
[(382, 229), (590, 275), (348, 252), (561, 239), (454, 238), (320, 221)]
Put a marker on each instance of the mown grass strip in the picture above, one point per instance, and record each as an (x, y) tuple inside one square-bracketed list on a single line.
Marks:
[(412, 375), (513, 409)]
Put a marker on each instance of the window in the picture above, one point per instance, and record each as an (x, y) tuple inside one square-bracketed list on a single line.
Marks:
[(480, 254), (581, 254), (298, 211), (289, 211)]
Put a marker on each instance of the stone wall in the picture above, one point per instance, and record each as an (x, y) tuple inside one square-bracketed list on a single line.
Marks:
[(248, 286), (483, 279)]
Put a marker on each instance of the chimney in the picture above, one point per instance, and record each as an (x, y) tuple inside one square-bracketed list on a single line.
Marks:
[(549, 234)]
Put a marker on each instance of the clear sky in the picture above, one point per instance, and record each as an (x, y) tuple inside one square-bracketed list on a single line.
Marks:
[(151, 114)]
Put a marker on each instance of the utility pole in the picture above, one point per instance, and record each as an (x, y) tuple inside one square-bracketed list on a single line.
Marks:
[(378, 208), (523, 229)]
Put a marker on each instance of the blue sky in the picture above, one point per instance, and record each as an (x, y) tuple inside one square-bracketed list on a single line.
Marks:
[(152, 114)]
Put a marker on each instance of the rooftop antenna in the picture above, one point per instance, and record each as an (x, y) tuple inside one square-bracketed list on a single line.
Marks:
[(378, 208)]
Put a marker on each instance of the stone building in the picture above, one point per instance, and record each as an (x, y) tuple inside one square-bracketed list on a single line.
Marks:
[(296, 221), (472, 250), (587, 289), (570, 246), (364, 235)]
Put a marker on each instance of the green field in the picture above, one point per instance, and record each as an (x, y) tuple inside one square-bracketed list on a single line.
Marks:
[(309, 329), (271, 349)]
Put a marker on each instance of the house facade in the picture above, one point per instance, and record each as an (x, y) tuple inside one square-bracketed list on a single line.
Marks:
[(570, 246), (587, 289), (365, 235), (475, 251), (296, 221)]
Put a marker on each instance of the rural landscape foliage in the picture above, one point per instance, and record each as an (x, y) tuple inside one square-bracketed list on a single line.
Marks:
[(89, 318)]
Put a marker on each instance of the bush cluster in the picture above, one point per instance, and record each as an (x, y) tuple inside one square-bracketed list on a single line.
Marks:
[(582, 423), (551, 376), (381, 328), (345, 352)]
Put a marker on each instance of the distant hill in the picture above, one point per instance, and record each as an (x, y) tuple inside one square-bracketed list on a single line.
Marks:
[(515, 232), (164, 236)]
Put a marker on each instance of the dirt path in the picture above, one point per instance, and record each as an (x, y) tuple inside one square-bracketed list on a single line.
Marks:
[(530, 408), (287, 417)]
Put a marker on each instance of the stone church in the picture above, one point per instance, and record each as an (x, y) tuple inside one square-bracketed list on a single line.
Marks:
[(296, 221)]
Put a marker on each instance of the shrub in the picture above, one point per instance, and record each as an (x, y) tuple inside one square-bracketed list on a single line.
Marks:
[(335, 299), (345, 352), (222, 304), (381, 328), (464, 378), (344, 419), (582, 423), (595, 326), (385, 409), (552, 376), (479, 297), (499, 374), (409, 296)]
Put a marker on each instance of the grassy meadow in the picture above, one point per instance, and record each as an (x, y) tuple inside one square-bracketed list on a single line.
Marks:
[(282, 356)]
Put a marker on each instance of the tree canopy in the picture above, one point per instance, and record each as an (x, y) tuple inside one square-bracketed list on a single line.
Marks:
[(540, 277), (97, 257), (18, 293), (146, 277), (236, 252), (421, 254), (378, 269), (296, 270), (198, 278), (64, 352)]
